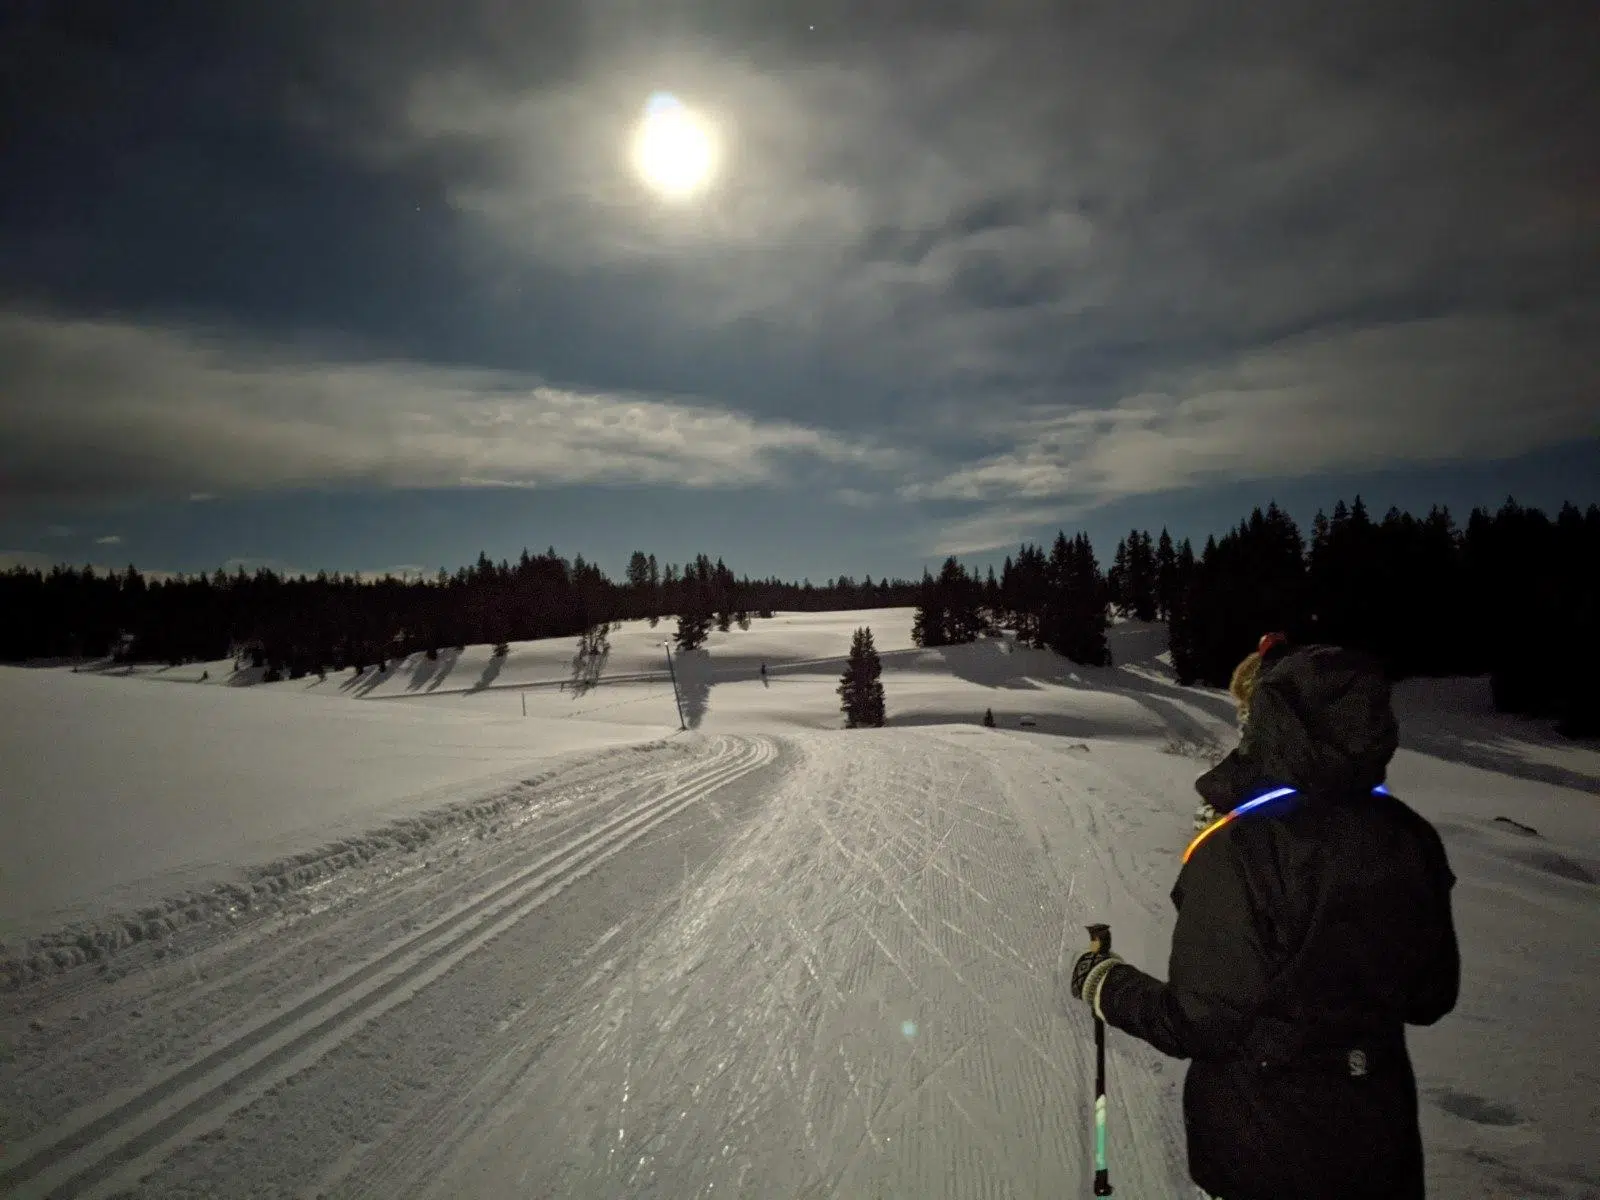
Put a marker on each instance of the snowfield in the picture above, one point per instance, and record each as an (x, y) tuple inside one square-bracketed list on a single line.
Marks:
[(387, 936)]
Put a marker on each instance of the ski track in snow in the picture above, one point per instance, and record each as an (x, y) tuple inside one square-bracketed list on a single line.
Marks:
[(825, 965), (858, 999), (107, 1146)]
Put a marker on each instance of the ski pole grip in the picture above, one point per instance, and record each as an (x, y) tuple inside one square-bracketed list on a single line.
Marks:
[(1100, 938)]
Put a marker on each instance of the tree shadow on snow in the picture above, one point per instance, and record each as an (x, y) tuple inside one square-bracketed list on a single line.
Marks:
[(1137, 643), (1138, 675), (433, 671), (588, 665), (695, 678), (990, 662), (1472, 739), (448, 660), (1053, 724), (491, 672), (376, 676), (423, 671), (246, 676)]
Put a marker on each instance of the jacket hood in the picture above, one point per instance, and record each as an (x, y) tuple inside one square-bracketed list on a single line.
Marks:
[(1321, 720)]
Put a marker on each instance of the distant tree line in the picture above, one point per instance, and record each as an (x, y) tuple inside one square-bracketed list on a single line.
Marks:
[(1515, 595), (1059, 602), (296, 626)]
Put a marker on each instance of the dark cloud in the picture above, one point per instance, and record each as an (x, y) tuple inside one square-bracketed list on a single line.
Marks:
[(1060, 252)]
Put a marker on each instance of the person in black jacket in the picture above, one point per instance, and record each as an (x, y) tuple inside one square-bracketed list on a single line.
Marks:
[(1313, 926)]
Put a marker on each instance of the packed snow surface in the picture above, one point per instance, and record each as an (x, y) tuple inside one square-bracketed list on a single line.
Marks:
[(453, 950)]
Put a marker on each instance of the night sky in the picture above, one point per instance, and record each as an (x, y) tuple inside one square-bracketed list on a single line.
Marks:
[(373, 284)]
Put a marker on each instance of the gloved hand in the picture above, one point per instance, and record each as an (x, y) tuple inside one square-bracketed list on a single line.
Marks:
[(1089, 976)]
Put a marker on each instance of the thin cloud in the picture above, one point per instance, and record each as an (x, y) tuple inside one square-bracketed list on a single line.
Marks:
[(1468, 388), (111, 539), (111, 407), (998, 526)]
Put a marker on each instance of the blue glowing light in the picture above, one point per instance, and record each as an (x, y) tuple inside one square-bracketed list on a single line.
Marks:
[(1276, 794)]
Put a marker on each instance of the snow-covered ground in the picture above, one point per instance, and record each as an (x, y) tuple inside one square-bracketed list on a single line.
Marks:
[(456, 951)]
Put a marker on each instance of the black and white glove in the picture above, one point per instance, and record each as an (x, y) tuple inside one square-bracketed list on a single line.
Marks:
[(1089, 976)]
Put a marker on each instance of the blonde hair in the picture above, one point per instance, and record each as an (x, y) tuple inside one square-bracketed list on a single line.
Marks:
[(1243, 684)]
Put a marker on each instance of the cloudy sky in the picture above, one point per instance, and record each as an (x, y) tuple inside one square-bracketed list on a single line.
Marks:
[(372, 283)]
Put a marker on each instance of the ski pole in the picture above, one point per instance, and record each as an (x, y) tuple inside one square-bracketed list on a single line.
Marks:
[(1100, 941)]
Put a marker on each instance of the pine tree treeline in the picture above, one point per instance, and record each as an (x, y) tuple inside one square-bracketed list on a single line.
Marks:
[(298, 626), (860, 688), (1059, 602), (1515, 596), (1420, 594), (949, 608)]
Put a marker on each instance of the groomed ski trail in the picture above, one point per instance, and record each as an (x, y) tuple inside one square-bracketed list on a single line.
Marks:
[(857, 1000), (110, 1145)]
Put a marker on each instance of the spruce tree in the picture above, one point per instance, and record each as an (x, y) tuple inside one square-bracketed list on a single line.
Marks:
[(860, 689), (1056, 621), (1118, 582), (638, 574), (694, 623), (1166, 576), (1181, 634), (928, 623), (1088, 607), (960, 597), (1141, 595)]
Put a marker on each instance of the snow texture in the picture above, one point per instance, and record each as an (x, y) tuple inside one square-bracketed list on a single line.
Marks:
[(581, 953)]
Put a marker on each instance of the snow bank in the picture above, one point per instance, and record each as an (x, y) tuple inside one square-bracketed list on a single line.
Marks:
[(116, 794)]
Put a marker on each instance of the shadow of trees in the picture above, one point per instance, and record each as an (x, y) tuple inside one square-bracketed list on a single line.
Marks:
[(589, 663), (423, 671), (491, 671), (695, 677), (1471, 740)]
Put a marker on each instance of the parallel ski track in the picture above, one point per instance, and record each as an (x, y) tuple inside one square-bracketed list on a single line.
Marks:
[(260, 945), (95, 1153)]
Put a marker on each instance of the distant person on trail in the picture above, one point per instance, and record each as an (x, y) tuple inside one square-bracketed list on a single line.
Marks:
[(1314, 925), (764, 673)]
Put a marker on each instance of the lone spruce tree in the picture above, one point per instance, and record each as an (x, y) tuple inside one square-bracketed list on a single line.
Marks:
[(860, 692)]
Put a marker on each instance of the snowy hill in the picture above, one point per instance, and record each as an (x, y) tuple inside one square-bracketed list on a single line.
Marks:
[(446, 948)]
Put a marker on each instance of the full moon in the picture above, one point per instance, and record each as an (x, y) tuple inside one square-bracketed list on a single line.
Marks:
[(674, 151)]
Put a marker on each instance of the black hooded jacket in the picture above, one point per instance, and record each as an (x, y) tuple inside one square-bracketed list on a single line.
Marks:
[(1311, 930)]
